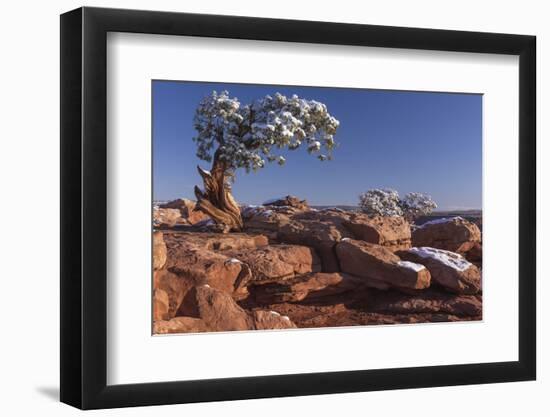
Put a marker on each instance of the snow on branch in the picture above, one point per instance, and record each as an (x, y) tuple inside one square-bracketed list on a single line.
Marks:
[(248, 136)]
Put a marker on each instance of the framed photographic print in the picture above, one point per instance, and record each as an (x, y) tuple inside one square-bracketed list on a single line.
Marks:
[(258, 208)]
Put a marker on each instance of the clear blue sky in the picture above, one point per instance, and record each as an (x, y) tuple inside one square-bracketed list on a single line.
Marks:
[(409, 141)]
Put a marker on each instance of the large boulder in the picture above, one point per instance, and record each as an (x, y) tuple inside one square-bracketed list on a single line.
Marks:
[(278, 262), (216, 309), (270, 320), (263, 219), (378, 263), (175, 288), (454, 234), (392, 232), (165, 218), (159, 251), (200, 266), (187, 209), (179, 325), (448, 269), (305, 288), (288, 201), (321, 230)]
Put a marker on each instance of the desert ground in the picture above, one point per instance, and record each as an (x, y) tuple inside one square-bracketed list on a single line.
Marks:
[(297, 266)]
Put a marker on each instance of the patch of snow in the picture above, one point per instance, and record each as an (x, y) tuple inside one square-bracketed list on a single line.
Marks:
[(275, 313), (251, 207), (286, 318), (267, 213), (233, 261), (411, 265), (251, 210), (440, 221), (345, 239), (450, 259), (206, 286)]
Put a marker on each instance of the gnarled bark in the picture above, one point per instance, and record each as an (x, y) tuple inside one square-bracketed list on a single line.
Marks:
[(216, 200)]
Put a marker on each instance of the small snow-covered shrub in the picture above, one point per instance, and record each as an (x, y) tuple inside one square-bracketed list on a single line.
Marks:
[(380, 202), (415, 205), (386, 202)]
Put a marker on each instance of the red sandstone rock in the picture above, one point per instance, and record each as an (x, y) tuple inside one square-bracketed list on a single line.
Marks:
[(159, 251), (160, 305), (321, 235), (475, 254), (308, 287), (278, 262), (288, 201), (376, 262), (264, 219), (390, 231), (187, 210), (179, 325), (175, 287), (427, 302), (270, 320), (216, 309), (216, 241), (202, 266), (166, 218), (453, 234)]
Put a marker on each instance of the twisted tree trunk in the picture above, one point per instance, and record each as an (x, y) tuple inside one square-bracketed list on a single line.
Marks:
[(216, 200)]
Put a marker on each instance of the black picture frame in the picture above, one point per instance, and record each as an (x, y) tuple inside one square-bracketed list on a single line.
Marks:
[(84, 207)]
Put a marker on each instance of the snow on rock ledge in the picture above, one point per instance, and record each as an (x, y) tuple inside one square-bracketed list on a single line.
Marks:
[(411, 265), (448, 269), (440, 221), (450, 259)]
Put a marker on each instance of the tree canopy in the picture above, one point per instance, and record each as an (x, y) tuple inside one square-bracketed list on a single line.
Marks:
[(248, 136)]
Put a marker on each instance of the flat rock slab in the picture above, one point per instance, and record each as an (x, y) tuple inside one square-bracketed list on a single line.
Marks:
[(378, 263), (217, 241), (305, 288), (278, 262)]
